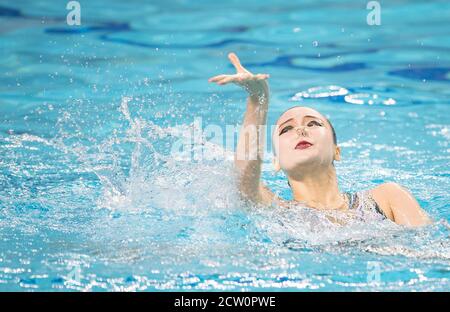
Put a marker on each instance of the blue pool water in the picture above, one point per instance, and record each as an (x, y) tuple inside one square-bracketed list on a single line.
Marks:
[(92, 199)]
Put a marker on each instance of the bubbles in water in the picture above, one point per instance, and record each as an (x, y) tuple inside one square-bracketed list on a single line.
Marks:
[(320, 92), (370, 99), (348, 97)]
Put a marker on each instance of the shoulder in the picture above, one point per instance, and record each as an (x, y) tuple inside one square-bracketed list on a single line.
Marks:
[(383, 195), (401, 204), (388, 188)]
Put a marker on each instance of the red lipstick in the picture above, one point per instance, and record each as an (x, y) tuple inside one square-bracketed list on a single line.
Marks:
[(303, 145)]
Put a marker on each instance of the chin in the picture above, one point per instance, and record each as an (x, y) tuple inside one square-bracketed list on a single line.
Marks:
[(301, 164)]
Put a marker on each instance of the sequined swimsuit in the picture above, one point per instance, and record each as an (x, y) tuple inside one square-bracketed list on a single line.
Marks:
[(363, 203)]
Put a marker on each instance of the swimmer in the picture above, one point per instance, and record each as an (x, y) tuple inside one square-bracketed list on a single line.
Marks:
[(305, 148)]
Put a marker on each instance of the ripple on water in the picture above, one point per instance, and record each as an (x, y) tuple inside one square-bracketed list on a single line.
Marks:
[(344, 95)]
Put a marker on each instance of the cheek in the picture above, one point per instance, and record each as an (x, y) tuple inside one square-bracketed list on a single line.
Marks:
[(322, 136), (280, 144), (324, 141), (281, 148), (287, 155), (285, 143)]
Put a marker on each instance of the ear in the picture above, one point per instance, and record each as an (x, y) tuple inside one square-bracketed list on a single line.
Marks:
[(276, 164), (337, 153)]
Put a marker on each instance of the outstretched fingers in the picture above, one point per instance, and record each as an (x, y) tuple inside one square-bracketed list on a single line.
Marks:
[(237, 78), (261, 76), (227, 80), (217, 78)]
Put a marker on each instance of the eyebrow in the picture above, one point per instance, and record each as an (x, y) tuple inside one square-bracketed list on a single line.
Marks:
[(290, 119), (285, 122)]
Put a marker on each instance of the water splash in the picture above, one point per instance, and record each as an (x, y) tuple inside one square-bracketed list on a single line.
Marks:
[(183, 218)]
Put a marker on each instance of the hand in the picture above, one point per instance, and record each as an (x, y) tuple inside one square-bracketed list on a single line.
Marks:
[(255, 85)]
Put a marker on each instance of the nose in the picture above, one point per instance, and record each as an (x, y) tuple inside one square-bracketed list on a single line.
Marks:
[(301, 131)]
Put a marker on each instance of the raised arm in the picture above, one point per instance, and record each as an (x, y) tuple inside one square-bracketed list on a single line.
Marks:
[(250, 149)]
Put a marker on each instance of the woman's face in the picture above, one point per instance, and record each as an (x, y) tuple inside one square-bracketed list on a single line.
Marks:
[(303, 140)]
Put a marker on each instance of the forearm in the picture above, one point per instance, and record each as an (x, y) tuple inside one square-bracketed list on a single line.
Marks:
[(250, 148)]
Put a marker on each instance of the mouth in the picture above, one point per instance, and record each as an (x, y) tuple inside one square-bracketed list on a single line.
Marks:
[(303, 145)]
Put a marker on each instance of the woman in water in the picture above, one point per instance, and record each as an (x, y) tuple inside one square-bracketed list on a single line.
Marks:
[(305, 148)]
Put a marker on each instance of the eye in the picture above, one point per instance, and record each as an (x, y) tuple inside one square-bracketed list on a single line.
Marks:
[(286, 129), (314, 123)]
